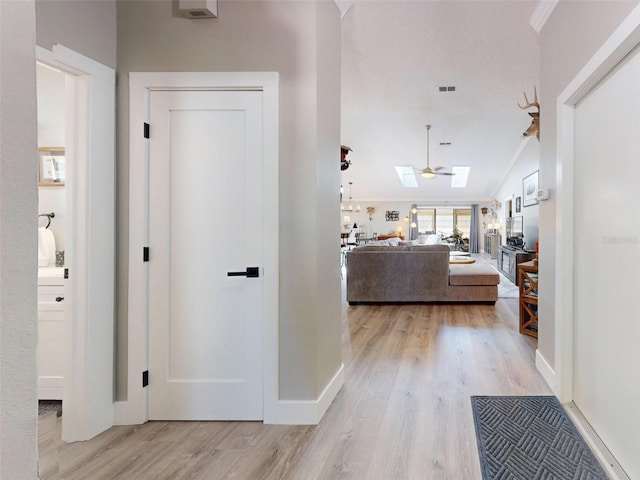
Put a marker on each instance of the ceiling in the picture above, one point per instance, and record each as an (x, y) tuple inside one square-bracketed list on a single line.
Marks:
[(396, 55)]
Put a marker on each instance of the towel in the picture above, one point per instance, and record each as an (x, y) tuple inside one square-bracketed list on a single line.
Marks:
[(46, 247)]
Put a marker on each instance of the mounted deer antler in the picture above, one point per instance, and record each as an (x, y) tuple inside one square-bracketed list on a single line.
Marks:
[(344, 151), (534, 128)]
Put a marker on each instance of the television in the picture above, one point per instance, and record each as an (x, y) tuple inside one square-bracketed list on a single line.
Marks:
[(514, 227), (530, 237), (515, 231)]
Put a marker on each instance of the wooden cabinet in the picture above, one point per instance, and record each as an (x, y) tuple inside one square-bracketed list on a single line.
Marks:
[(51, 345), (509, 259), (528, 282), (491, 244)]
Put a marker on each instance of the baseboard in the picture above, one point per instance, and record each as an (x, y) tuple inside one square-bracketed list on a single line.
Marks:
[(546, 371), (286, 412), (307, 412), (50, 388), (597, 446)]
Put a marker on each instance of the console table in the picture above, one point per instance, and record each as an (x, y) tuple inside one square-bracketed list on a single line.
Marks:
[(491, 244), (528, 280), (508, 260)]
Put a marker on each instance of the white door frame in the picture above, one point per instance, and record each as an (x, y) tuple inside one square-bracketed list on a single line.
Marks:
[(90, 193), (619, 44), (134, 410)]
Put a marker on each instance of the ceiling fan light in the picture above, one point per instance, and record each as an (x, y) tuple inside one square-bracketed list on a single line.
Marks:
[(427, 175)]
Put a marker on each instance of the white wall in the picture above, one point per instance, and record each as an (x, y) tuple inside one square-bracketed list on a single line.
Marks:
[(570, 37), (512, 187), (378, 224), (51, 133), (18, 243)]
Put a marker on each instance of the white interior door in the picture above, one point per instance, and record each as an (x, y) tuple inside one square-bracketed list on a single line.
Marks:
[(606, 383), (205, 220)]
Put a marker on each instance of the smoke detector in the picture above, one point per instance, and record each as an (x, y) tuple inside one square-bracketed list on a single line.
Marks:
[(198, 8)]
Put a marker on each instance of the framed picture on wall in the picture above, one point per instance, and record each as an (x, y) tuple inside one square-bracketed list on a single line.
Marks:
[(51, 166), (392, 215), (518, 204), (530, 189)]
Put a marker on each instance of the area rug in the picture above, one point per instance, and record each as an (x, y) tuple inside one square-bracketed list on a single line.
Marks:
[(526, 438)]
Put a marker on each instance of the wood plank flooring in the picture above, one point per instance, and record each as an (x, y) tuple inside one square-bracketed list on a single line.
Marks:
[(403, 413)]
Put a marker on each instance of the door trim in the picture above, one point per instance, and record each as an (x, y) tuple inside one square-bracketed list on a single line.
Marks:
[(90, 150), (134, 410)]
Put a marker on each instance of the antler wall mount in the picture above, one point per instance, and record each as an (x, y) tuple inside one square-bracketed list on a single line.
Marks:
[(534, 128), (344, 151)]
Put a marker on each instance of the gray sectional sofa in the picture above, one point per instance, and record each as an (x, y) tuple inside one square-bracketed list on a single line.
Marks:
[(417, 273)]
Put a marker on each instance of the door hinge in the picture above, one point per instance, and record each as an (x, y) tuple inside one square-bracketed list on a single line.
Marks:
[(145, 254), (145, 378), (146, 130), (66, 273)]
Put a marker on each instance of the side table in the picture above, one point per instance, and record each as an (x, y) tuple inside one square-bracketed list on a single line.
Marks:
[(528, 285)]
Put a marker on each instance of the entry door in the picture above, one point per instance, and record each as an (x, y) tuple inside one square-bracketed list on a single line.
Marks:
[(205, 220), (606, 382)]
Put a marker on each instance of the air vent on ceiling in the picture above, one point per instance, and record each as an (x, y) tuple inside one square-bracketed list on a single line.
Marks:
[(447, 89), (198, 8)]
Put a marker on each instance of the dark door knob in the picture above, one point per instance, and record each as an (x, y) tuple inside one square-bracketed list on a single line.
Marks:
[(251, 272)]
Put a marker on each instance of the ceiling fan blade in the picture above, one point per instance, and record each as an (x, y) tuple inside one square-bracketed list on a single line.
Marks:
[(435, 169), (444, 173)]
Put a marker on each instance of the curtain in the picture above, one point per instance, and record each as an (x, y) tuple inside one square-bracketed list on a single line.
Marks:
[(474, 241), (413, 220)]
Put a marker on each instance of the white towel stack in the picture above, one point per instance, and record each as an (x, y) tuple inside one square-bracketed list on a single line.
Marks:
[(46, 247)]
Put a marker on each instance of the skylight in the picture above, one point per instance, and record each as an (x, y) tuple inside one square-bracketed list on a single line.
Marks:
[(459, 180), (407, 176)]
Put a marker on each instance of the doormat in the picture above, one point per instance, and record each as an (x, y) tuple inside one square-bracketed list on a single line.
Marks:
[(49, 406), (530, 438)]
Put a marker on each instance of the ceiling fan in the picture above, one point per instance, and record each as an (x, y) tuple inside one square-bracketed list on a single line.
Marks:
[(431, 172)]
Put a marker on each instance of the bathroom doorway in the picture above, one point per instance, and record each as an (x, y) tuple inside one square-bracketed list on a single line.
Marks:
[(52, 344), (84, 227)]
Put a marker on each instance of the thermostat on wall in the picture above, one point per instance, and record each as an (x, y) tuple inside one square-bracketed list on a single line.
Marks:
[(543, 194), (198, 8)]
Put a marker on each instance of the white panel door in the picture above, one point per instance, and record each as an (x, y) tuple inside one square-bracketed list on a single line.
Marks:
[(606, 382), (205, 220)]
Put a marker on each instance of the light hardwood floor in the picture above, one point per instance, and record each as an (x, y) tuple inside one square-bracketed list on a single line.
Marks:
[(403, 413)]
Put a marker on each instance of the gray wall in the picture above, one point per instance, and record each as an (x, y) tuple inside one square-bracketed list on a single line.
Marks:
[(88, 27), (301, 41), (572, 35), (527, 163), (18, 243)]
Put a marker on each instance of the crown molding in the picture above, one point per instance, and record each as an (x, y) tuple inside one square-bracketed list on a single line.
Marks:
[(541, 14)]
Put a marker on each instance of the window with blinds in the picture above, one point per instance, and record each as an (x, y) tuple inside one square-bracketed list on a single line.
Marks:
[(442, 220)]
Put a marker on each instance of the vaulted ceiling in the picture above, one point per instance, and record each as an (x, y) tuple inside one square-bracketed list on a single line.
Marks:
[(396, 55)]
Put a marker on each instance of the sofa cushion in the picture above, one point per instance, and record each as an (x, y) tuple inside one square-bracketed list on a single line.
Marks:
[(379, 248), (430, 248), (473, 274)]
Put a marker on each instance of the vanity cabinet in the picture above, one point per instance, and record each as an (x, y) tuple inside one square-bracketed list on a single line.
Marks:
[(51, 339), (508, 260)]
